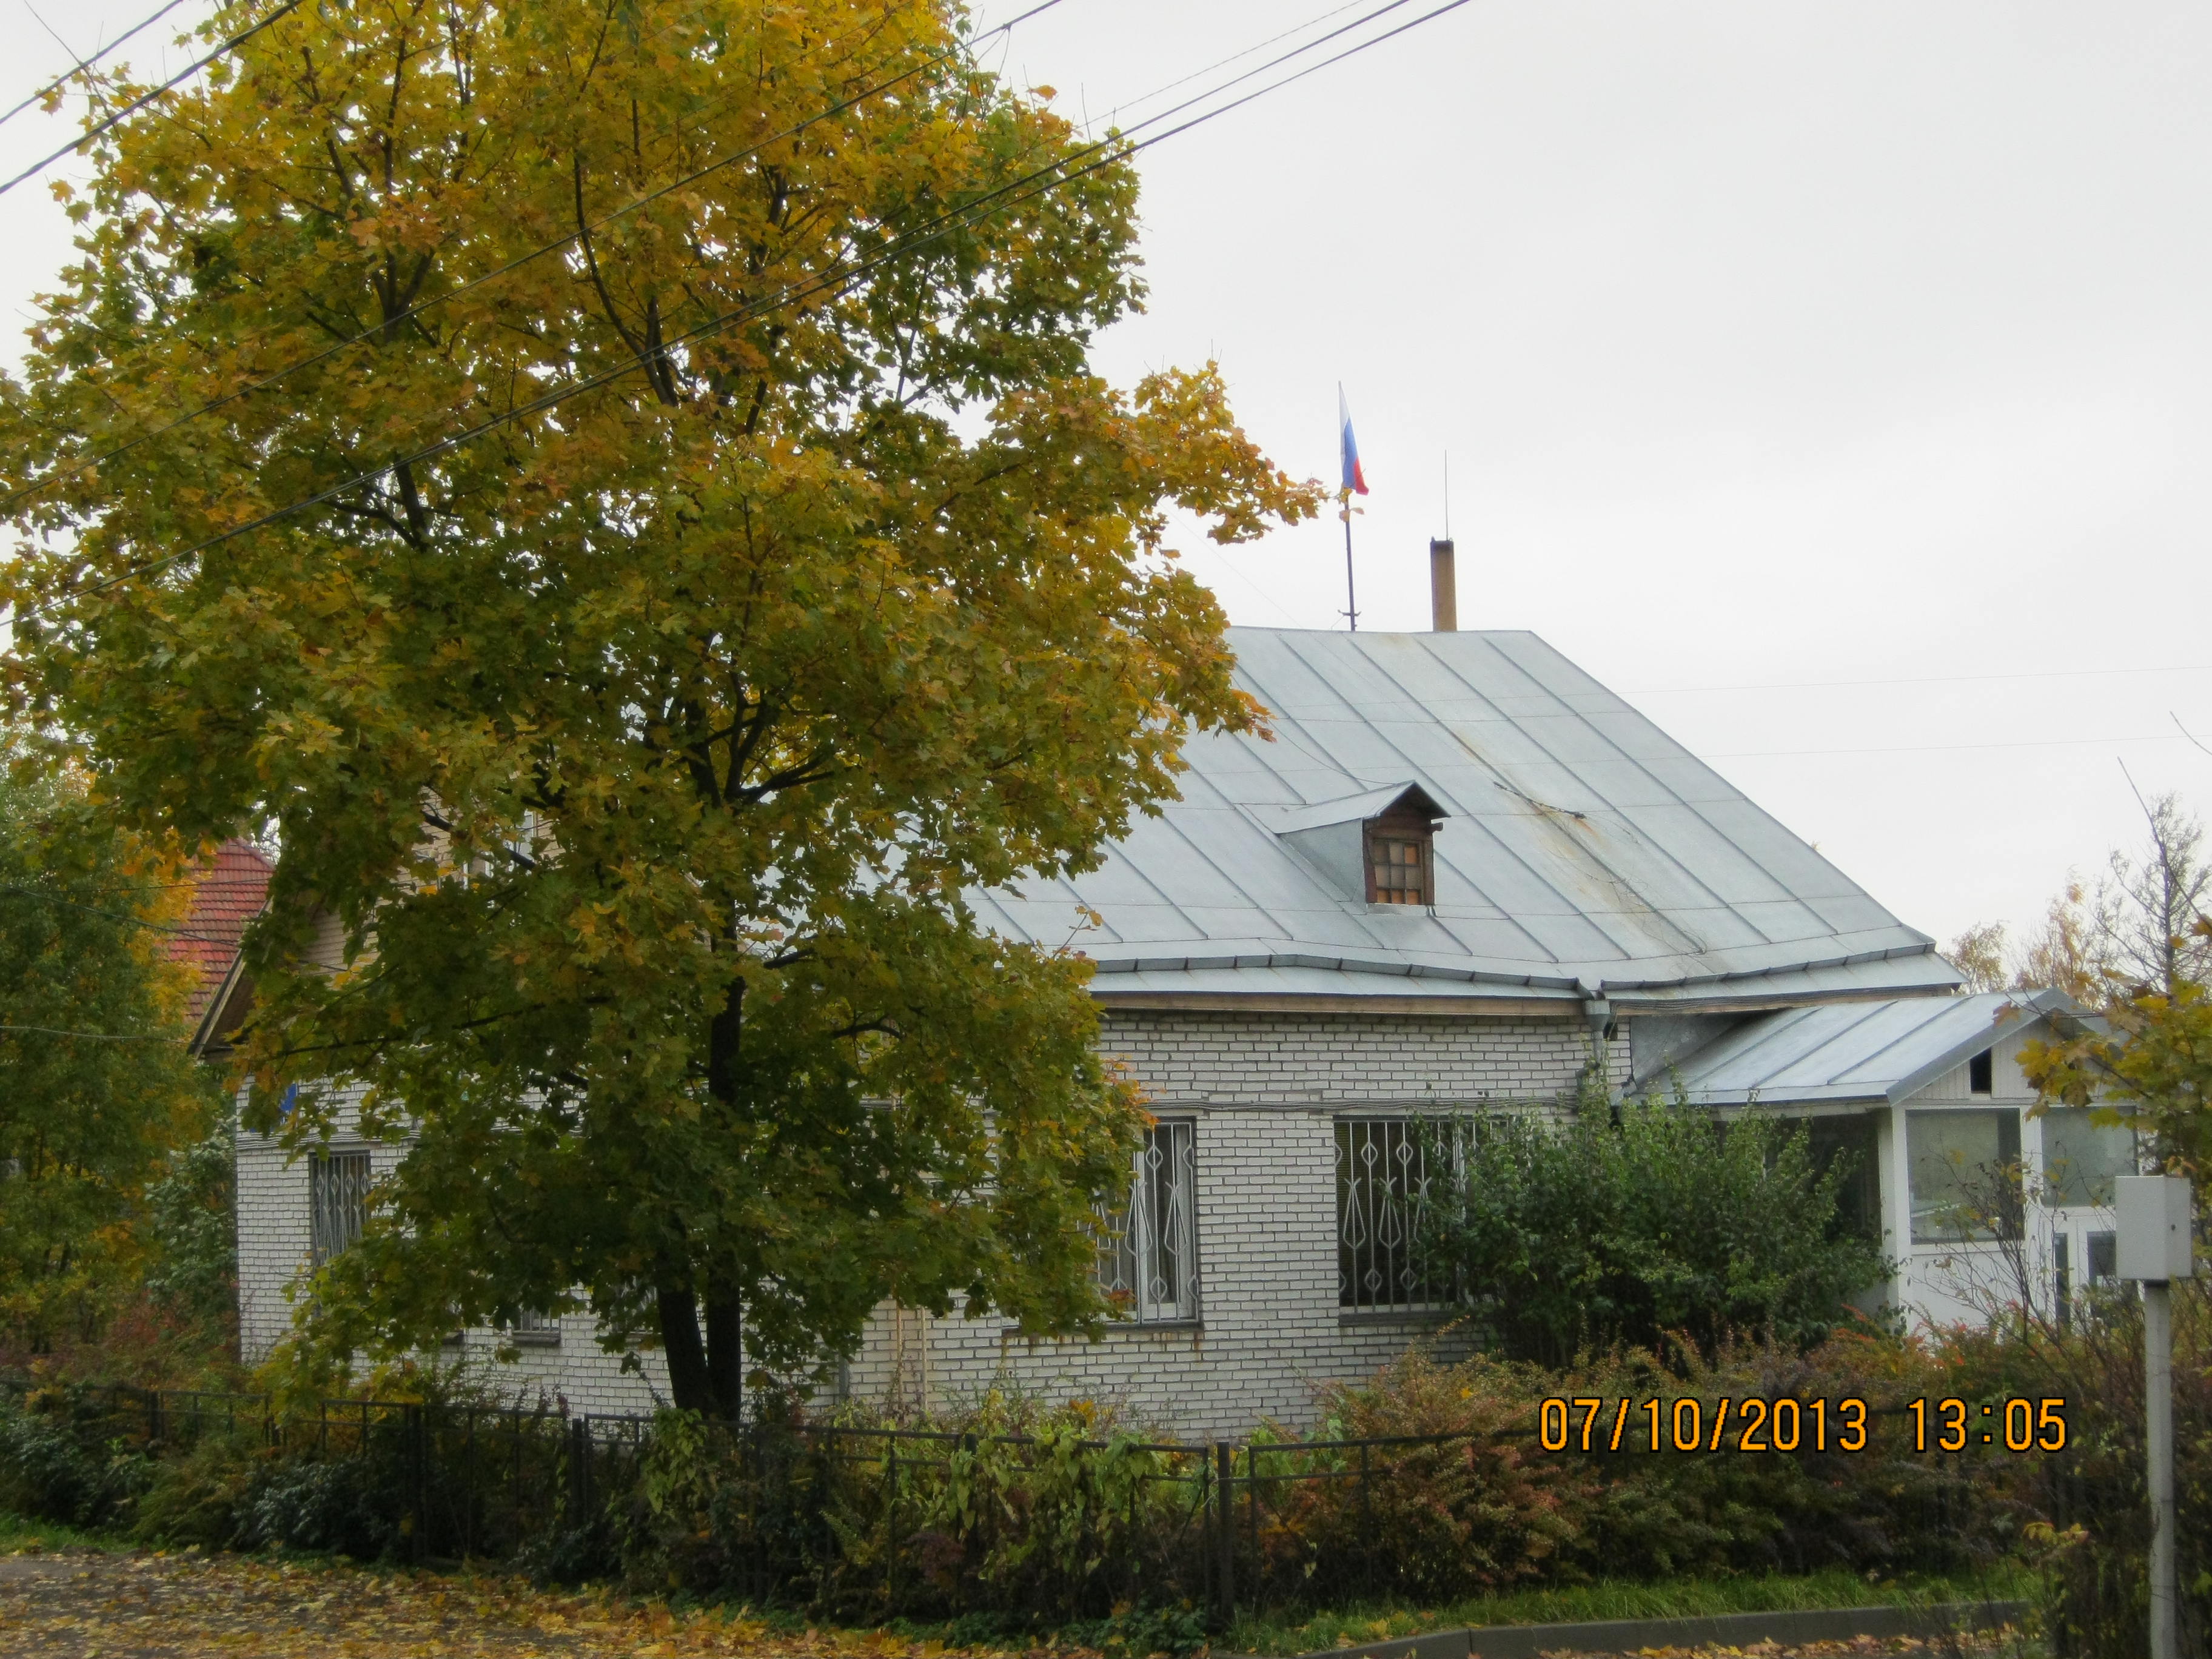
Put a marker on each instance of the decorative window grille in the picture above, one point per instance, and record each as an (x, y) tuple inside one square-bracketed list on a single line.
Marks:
[(1381, 1193), (337, 1201), (1148, 1249), (1397, 869)]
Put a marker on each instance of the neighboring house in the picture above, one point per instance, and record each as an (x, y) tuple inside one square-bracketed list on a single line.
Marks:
[(1461, 873), (228, 890)]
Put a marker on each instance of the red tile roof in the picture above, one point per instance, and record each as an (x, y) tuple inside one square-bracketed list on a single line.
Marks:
[(229, 891)]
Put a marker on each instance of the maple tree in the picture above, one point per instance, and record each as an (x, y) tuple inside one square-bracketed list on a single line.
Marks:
[(96, 1086), (687, 620)]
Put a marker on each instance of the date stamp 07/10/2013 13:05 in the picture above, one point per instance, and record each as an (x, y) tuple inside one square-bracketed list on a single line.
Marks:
[(1754, 1426)]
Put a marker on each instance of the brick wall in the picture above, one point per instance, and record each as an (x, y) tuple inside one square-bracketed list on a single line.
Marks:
[(272, 1255), (1264, 1090)]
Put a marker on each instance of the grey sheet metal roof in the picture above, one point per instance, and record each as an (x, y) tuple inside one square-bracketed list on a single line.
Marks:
[(1869, 1051), (1582, 851)]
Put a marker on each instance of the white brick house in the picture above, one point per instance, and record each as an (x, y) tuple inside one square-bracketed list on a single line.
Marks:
[(1460, 873)]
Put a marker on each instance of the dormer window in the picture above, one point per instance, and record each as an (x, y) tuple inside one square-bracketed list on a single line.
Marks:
[(1398, 864), (1376, 847)]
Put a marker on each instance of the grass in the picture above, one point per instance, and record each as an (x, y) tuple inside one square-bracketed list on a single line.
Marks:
[(21, 1537), (1311, 1633)]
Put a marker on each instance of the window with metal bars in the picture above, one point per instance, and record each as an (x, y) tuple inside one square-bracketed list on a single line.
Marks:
[(1148, 1247), (1383, 1188), (536, 1330), (337, 1201)]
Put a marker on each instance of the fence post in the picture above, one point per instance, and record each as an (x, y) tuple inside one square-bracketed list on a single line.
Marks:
[(417, 1426), (1367, 1518), (890, 1524), (579, 1470), (1259, 1590), (1224, 1585)]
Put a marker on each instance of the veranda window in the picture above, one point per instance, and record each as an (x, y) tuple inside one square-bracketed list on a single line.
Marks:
[(1148, 1249), (337, 1201), (1381, 1195), (2081, 1157), (1965, 1176)]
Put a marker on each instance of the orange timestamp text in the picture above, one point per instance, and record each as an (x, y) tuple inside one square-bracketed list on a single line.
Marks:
[(1591, 1423)]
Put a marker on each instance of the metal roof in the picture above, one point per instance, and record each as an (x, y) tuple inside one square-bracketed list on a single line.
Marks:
[(1582, 851), (1869, 1051)]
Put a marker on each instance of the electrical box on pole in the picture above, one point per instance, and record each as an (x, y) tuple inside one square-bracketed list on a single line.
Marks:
[(2153, 1216), (2156, 1246)]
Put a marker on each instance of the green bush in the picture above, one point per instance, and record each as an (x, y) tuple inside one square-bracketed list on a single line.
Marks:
[(196, 1496), (192, 1211), (2091, 1538), (1016, 1510), (60, 1461), (1493, 1509), (1624, 1226), (340, 1504)]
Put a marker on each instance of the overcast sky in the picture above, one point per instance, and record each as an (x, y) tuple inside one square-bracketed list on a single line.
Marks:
[(1835, 381)]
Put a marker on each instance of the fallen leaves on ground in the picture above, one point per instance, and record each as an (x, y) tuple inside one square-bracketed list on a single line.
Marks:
[(85, 1604)]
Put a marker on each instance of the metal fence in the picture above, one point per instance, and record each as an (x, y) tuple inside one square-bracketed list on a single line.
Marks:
[(880, 1521)]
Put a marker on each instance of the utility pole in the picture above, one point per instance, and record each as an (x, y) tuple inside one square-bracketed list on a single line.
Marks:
[(2155, 1248)]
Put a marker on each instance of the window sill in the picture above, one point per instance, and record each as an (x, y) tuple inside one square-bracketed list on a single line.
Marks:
[(1396, 1315), (1149, 1327)]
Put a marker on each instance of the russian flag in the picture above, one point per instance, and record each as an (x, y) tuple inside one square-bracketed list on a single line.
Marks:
[(1355, 480)]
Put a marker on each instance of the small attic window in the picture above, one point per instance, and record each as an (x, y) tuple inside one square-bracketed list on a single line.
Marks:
[(1400, 860), (1981, 1074)]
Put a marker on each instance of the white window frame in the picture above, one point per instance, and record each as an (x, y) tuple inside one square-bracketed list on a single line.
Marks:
[(1148, 1246)]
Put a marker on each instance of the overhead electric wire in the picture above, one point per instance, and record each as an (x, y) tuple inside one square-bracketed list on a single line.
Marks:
[(94, 1036), (78, 467), (1944, 748), (1913, 679), (1118, 148), (145, 98), (1161, 91), (84, 64)]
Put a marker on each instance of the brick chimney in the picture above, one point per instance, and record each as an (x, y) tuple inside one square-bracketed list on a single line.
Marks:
[(1444, 588)]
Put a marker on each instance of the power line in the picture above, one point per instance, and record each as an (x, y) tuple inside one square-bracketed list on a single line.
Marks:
[(78, 468), (95, 1036), (1117, 149), (1943, 748), (1916, 679), (145, 98), (1221, 62), (84, 64)]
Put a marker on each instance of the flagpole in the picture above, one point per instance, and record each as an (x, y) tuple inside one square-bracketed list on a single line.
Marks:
[(1354, 480), (1351, 594)]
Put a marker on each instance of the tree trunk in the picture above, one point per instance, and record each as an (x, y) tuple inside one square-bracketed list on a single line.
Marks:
[(708, 1376), (688, 1378), (725, 1378)]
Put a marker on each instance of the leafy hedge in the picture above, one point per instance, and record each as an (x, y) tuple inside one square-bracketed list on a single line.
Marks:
[(1425, 1483)]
